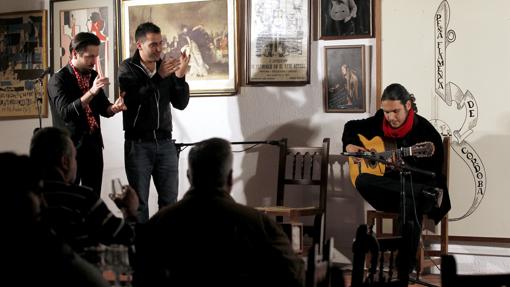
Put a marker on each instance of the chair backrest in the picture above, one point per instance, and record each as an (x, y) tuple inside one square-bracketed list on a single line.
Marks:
[(449, 276), (303, 166), (382, 254)]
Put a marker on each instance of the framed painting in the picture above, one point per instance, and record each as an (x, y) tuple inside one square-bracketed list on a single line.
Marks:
[(344, 79), (345, 19), (23, 65), (69, 18), (278, 42), (204, 29)]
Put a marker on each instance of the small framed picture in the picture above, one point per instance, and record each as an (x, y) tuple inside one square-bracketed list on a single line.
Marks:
[(344, 79), (345, 19)]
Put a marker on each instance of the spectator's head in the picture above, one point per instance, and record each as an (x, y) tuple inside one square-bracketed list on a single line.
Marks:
[(396, 103), (20, 184), (210, 164), (149, 41), (52, 150), (84, 48)]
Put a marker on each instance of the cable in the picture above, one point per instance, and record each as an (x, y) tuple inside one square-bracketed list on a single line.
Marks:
[(248, 148)]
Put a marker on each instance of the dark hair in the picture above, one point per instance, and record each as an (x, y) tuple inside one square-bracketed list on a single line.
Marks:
[(48, 145), (83, 39), (143, 29), (210, 162), (397, 92)]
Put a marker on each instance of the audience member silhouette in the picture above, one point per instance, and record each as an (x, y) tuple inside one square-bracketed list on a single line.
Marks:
[(35, 256), (77, 213), (207, 239)]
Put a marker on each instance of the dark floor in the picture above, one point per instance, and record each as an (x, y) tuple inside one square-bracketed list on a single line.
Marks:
[(434, 279)]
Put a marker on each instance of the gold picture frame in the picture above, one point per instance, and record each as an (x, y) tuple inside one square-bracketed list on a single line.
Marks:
[(205, 29)]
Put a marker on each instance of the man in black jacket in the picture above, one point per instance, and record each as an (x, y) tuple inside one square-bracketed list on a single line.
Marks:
[(77, 100), (207, 239), (150, 86), (397, 122)]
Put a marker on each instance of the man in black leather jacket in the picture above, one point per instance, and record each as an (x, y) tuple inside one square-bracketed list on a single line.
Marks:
[(149, 86)]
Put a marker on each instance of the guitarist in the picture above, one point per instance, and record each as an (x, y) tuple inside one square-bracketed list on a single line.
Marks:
[(397, 121)]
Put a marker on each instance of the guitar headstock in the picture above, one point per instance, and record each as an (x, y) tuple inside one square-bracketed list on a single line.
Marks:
[(423, 149)]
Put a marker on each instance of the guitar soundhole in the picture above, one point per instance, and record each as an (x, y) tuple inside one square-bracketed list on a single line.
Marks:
[(371, 163)]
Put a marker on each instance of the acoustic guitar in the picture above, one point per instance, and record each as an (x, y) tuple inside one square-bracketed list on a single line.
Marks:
[(376, 149), (339, 11)]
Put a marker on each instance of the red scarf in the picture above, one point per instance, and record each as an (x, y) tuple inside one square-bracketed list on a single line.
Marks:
[(84, 84), (400, 132)]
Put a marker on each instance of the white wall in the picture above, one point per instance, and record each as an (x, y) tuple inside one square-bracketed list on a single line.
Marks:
[(477, 61)]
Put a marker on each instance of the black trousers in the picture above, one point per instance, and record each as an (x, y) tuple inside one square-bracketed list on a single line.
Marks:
[(384, 194), (89, 157)]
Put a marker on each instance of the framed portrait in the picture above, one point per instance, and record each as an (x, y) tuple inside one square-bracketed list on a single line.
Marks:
[(69, 18), (278, 42), (344, 79), (206, 30), (345, 19), (23, 64)]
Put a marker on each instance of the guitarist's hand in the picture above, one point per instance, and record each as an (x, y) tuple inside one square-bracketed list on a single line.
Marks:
[(355, 148)]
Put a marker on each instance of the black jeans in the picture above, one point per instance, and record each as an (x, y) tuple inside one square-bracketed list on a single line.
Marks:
[(384, 194)]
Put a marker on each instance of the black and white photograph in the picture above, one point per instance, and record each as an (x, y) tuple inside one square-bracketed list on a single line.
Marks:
[(349, 19)]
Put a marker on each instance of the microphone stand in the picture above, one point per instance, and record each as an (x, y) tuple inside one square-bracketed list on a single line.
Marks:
[(38, 100), (404, 170)]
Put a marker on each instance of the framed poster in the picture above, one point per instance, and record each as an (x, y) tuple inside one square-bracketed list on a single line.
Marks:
[(278, 42), (69, 18), (205, 29), (345, 19), (344, 81), (23, 65)]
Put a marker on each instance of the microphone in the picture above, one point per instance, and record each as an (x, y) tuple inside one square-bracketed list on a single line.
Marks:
[(43, 74)]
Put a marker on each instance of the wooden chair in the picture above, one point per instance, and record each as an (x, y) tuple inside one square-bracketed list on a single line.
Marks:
[(381, 254), (449, 276), (377, 218), (302, 166)]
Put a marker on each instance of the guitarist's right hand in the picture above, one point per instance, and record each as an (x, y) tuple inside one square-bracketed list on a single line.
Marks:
[(355, 148)]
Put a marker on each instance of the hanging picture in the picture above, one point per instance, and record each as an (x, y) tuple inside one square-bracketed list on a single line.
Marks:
[(345, 19), (95, 16), (278, 42), (23, 65), (344, 81), (203, 29)]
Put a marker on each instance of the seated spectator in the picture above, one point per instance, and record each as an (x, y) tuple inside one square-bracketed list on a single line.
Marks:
[(207, 239), (77, 213), (34, 255)]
